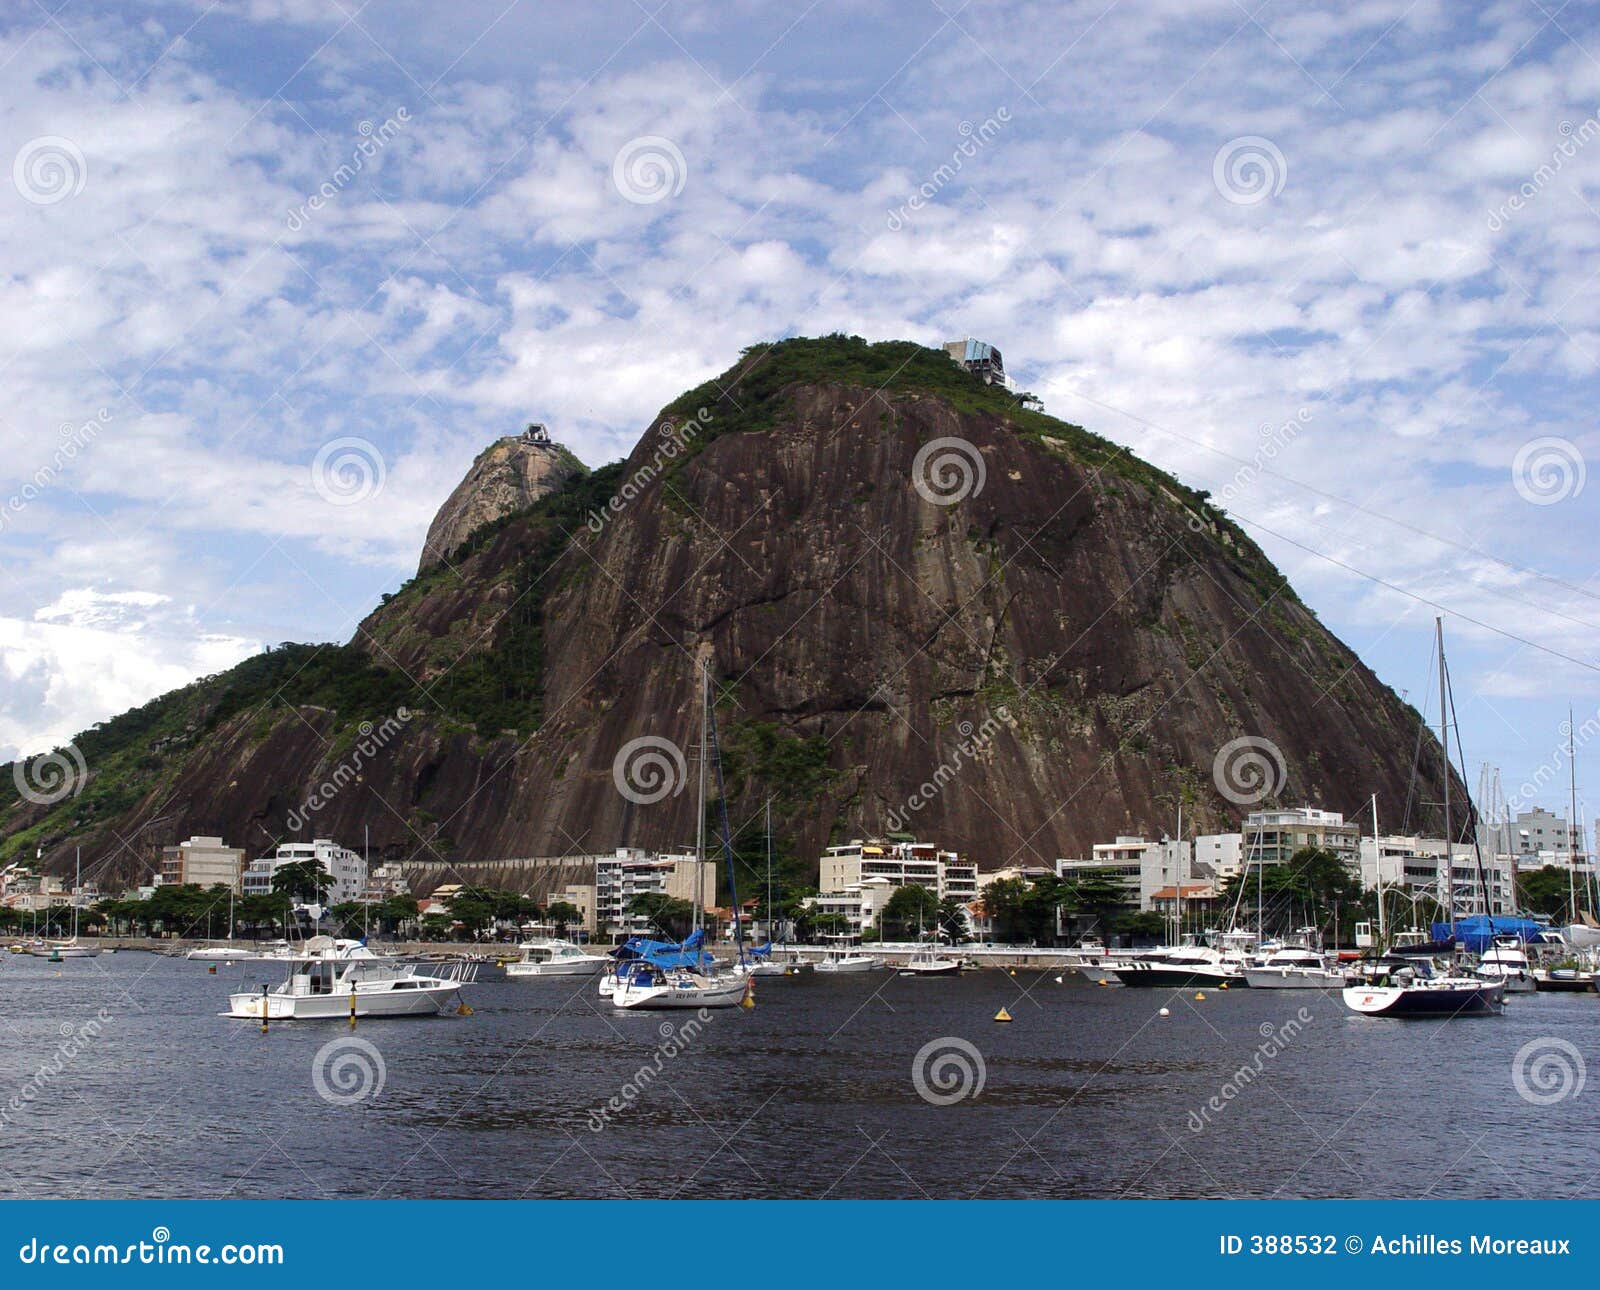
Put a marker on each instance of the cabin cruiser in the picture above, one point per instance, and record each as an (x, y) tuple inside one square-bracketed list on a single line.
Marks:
[(1296, 968), (1506, 961), (1195, 966), (765, 961), (845, 959), (1406, 986), (639, 983), (336, 979), (556, 958), (927, 961)]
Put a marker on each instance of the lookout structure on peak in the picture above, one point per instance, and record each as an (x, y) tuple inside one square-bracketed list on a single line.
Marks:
[(538, 434), (980, 358)]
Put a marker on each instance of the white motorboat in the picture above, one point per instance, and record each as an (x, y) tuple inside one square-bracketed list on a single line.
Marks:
[(1181, 969), (332, 980), (1408, 987), (778, 964), (222, 953), (1296, 968), (643, 984), (848, 960), (557, 958), (1506, 961), (928, 962)]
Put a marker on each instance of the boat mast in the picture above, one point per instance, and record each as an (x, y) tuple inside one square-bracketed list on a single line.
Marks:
[(1572, 820), (77, 885), (700, 814), (1177, 874), (769, 869), (1446, 895), (1377, 873)]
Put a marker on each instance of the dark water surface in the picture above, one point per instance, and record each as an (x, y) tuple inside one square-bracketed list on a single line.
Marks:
[(1088, 1092)]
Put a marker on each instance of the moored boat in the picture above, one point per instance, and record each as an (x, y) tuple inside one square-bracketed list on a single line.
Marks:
[(556, 958), (1294, 968), (1408, 987), (331, 981)]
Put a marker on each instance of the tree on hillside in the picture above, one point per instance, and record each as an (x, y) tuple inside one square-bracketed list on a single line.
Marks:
[(1546, 890)]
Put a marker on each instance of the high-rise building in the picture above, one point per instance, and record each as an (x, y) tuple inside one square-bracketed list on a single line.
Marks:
[(205, 862), (347, 869)]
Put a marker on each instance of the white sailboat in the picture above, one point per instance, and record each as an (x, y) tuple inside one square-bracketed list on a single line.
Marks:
[(74, 948), (642, 983)]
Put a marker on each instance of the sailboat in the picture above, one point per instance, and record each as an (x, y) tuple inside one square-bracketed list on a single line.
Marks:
[(677, 981), (1408, 986), (73, 949), (1583, 932), (763, 961)]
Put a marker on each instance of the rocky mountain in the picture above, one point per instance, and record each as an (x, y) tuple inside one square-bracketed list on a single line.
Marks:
[(509, 475), (923, 608)]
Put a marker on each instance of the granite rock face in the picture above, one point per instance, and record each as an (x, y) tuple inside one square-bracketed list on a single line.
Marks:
[(923, 609), (509, 475)]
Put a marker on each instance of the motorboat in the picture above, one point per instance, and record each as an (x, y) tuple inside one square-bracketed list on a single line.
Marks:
[(641, 984), (1193, 966), (222, 953), (1564, 980), (927, 961), (1408, 987), (848, 960), (1506, 961), (765, 962), (1296, 968), (332, 979), (557, 958)]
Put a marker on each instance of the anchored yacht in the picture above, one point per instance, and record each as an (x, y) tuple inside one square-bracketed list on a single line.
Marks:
[(338, 979)]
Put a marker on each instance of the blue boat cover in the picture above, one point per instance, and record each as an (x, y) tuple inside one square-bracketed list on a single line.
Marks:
[(667, 954), (1477, 933)]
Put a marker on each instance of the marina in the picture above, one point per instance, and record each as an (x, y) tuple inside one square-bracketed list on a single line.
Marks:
[(1089, 1092)]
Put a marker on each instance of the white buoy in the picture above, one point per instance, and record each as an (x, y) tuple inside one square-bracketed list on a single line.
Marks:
[(1165, 1012), (1060, 980)]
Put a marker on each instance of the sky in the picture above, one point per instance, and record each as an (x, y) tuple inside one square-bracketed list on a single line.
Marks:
[(276, 270)]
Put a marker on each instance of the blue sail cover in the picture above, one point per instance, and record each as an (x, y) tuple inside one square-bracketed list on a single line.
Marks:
[(1477, 933), (667, 954)]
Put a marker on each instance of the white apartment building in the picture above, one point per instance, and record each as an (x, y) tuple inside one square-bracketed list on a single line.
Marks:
[(899, 863), (347, 869), (1272, 837), (1415, 866), (205, 862), (630, 872), (1221, 853), (1540, 830)]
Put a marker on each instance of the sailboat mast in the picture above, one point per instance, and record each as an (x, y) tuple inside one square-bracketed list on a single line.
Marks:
[(1446, 875), (1572, 820), (1377, 874), (769, 869), (700, 814), (77, 894)]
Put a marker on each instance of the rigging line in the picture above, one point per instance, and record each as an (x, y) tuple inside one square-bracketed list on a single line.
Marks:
[(1586, 664), (1342, 501)]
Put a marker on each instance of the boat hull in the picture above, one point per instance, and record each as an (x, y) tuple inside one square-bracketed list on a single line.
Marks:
[(1432, 999), (930, 969), (1575, 984), (557, 968), (1295, 979), (850, 965), (1172, 978), (422, 1001), (650, 997)]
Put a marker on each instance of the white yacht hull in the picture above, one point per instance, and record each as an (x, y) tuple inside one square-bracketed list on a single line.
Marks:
[(1449, 998), (1514, 981), (716, 994), (221, 954), (950, 968), (1291, 978), (849, 965), (571, 967), (69, 952), (416, 1001)]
